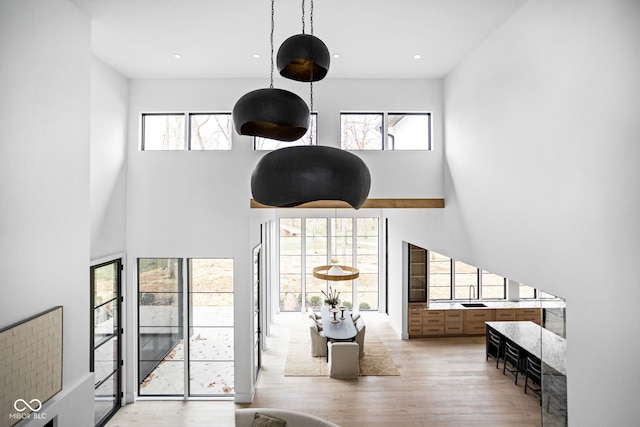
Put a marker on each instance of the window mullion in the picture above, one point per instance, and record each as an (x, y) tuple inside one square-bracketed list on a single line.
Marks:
[(330, 254), (354, 259), (384, 131), (187, 131), (452, 272), (504, 288), (303, 263), (185, 271)]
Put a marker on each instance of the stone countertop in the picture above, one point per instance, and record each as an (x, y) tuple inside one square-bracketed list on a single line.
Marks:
[(538, 341), (457, 305)]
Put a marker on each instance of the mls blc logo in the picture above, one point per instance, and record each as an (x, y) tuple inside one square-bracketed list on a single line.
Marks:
[(22, 405)]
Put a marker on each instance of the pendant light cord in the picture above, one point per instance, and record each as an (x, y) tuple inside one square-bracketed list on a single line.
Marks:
[(311, 82), (311, 17), (303, 17), (272, 25)]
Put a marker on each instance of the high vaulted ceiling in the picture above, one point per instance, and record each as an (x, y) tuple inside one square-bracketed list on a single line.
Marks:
[(215, 38)]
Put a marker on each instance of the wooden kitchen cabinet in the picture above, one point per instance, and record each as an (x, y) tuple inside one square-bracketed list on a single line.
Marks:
[(433, 322), (433, 317), (423, 322), (415, 331), (417, 274), (480, 315), (414, 318), (430, 330), (505, 315), (474, 320), (529, 314), (453, 322)]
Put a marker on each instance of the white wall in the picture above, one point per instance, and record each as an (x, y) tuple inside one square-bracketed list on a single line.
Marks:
[(542, 184), (427, 228), (196, 204), (45, 54), (190, 204), (109, 102), (393, 173)]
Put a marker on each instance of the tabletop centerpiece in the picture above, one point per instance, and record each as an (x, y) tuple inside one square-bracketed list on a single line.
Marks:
[(332, 299)]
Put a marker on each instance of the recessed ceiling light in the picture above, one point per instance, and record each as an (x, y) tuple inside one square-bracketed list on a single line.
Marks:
[(177, 56), (336, 55), (417, 56), (256, 55)]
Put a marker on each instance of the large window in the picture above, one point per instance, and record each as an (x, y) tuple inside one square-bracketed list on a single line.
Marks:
[(316, 253), (211, 327), (439, 280), (451, 279), (527, 292), (465, 281), (290, 263), (202, 311), (260, 143), (160, 326), (385, 131), (306, 243), (106, 357), (367, 255), (341, 252), (492, 286), (186, 131)]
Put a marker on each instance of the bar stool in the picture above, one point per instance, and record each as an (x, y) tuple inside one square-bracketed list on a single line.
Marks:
[(494, 347), (533, 373), (512, 357)]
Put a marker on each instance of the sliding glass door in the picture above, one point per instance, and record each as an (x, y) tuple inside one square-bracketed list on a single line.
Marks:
[(106, 354), (202, 311), (160, 327), (257, 312), (211, 341)]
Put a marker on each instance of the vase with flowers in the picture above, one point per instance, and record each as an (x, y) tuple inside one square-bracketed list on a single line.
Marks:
[(332, 299)]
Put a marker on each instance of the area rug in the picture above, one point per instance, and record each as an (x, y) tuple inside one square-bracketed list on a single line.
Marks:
[(375, 361)]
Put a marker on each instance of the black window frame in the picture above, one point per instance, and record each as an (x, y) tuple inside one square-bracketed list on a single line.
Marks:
[(414, 113), (207, 113), (187, 128), (364, 113), (117, 334), (384, 130)]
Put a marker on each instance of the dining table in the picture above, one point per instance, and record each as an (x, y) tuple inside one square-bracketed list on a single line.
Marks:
[(337, 325)]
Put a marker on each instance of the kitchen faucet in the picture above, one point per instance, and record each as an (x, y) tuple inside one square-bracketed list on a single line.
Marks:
[(472, 289)]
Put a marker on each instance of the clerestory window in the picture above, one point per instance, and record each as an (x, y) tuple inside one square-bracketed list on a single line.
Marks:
[(186, 131), (385, 131)]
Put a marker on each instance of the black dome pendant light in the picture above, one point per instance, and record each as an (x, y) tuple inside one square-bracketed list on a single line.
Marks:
[(303, 57), (295, 175), (292, 176), (271, 113)]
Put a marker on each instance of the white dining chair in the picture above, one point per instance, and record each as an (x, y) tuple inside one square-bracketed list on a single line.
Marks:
[(344, 360)]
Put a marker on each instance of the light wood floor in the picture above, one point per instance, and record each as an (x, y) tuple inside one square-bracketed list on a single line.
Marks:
[(442, 382)]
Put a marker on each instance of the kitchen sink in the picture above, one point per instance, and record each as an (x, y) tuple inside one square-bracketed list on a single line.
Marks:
[(472, 304)]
